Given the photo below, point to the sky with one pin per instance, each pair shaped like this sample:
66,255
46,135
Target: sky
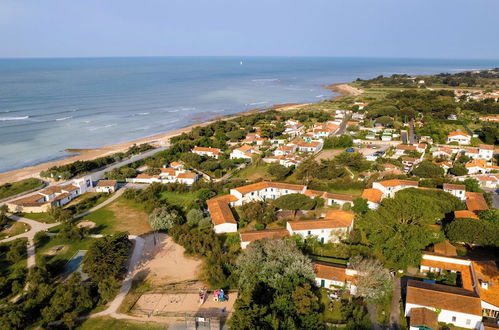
368,28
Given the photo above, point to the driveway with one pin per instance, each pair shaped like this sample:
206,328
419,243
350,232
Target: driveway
106,202
30,234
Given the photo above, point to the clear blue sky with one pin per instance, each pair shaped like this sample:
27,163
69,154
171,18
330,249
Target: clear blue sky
377,28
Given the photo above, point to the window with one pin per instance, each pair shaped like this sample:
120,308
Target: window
309,232
468,321
453,319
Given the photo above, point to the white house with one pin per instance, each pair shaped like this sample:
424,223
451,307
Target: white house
486,151
221,215
168,175
373,197
335,226
264,190
106,186
480,166
284,160
210,152
293,128
312,146
335,276
244,152
401,149
286,149
187,178
459,137
442,151
457,190
453,305
390,187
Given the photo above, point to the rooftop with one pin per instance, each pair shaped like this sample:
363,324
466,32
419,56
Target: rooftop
372,195
268,184
220,210
107,183
475,201
451,186
397,182
254,235
424,317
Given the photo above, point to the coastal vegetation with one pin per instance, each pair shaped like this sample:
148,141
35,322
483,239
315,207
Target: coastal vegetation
68,171
18,187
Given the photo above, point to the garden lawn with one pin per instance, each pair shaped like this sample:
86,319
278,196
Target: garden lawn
120,215
60,259
40,217
253,172
16,229
11,189
106,323
179,199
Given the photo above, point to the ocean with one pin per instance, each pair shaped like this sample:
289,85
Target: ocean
49,105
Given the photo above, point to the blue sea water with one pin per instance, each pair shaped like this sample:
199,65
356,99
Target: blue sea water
48,105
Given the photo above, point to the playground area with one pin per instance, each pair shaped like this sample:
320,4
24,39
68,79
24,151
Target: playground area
186,302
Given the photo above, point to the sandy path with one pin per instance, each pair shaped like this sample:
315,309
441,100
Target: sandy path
344,90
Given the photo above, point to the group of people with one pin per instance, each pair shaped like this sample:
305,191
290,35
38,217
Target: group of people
218,295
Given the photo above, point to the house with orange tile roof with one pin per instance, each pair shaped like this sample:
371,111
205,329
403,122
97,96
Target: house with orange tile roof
210,152
330,198
390,187
445,166
443,151
487,180
244,152
265,190
465,214
106,186
287,160
287,149
475,295
328,275
460,137
480,166
334,227
476,202
221,214
373,196
175,173
457,190
52,196
305,146
255,235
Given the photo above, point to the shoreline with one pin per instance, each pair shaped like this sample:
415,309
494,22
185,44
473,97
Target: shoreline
158,140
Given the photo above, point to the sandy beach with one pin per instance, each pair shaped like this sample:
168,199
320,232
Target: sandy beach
157,140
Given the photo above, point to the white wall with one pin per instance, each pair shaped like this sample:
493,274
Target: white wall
226,228
446,316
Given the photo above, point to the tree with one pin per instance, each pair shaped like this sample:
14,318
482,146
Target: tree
194,216
338,142
400,228
428,170
276,288
106,257
278,171
163,218
307,170
490,215
472,231
205,194
294,202
373,281
458,170
360,205
472,185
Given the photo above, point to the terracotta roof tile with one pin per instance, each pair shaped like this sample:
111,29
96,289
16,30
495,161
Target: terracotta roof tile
397,182
331,271
465,214
254,235
443,297
267,184
317,224
372,195
486,271
451,186
424,317
475,201
106,183
341,197
220,210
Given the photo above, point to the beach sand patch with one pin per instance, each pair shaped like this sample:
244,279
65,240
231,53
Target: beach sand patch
85,224
164,262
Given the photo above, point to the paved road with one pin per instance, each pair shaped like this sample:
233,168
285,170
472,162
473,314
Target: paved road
100,174
395,309
495,196
30,234
112,310
343,125
412,132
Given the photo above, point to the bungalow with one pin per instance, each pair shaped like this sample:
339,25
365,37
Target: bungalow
312,146
373,196
287,149
254,235
244,152
480,166
457,190
390,187
284,160
329,275
486,151
293,128
442,152
51,196
335,226
167,175
264,190
187,178
210,152
221,215
476,202
106,186
401,149
488,180
459,137
330,198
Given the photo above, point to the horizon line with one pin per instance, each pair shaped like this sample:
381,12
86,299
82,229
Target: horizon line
242,57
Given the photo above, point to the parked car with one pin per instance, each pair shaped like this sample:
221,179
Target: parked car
350,150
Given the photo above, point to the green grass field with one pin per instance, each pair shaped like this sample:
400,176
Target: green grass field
41,217
102,323
253,172
121,215
11,189
16,229
180,199
60,259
